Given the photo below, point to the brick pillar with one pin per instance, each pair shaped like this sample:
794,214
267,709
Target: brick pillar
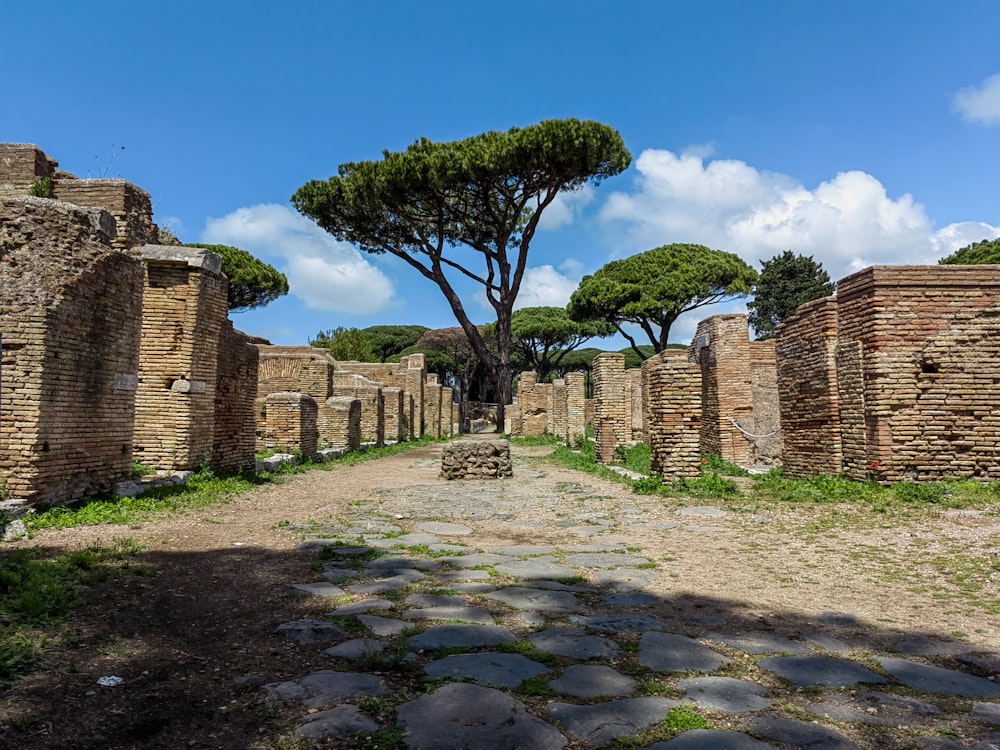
447,401
340,423
416,375
558,415
674,415
722,348
432,405
291,423
395,424
576,417
611,404
184,307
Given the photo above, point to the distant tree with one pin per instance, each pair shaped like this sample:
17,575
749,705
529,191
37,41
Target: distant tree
543,336
252,282
345,344
435,202
652,289
388,341
786,281
450,353
984,252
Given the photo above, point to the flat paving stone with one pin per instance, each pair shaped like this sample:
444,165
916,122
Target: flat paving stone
340,723
922,645
875,708
407,574
593,681
307,632
461,636
381,586
711,739
939,680
336,574
629,600
667,652
624,579
461,576
520,550
535,568
496,669
322,588
607,560
761,643
445,529
702,511
536,600
800,734
356,649
327,688
574,643
401,563
725,694
986,712
458,549
434,600
475,615
822,671
557,586
462,716
618,624
386,627
365,605
601,723
472,587
473,560
829,643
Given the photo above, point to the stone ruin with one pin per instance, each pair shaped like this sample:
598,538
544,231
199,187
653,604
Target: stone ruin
114,349
476,459
556,408
893,378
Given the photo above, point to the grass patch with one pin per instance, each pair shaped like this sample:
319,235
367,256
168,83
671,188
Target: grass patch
38,593
725,468
680,719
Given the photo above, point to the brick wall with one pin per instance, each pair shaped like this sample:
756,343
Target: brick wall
576,417
395,426
449,422
235,395
721,348
183,310
636,419
535,402
372,403
302,369
805,350
432,406
612,405
291,423
674,414
339,423
20,165
558,425
69,321
128,204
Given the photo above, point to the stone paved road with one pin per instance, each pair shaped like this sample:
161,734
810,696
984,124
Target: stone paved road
530,645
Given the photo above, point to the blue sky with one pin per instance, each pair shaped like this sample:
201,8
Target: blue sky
855,132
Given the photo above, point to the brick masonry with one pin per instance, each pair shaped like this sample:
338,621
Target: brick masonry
674,414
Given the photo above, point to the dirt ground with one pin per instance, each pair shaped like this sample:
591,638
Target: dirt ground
185,635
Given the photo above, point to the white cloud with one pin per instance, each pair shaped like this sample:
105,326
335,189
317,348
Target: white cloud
846,223
544,286
565,207
324,273
980,104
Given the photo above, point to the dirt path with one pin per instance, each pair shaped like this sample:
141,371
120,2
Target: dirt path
187,636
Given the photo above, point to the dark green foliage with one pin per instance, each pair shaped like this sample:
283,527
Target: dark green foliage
345,344
652,289
42,188
435,202
786,281
252,282
543,336
984,252
725,468
389,341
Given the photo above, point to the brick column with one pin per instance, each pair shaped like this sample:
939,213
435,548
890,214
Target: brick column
611,404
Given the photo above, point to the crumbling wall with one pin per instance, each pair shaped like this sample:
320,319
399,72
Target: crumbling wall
394,423
612,405
535,402
805,350
183,309
923,340
372,404
69,323
291,369
410,375
673,416
234,423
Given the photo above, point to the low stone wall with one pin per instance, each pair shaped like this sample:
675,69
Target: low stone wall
476,459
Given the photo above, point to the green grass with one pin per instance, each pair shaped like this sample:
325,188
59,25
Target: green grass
37,593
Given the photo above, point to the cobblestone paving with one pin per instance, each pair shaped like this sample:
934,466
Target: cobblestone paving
542,646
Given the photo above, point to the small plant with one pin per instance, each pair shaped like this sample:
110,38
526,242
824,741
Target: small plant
647,485
710,486
140,469
42,188
725,468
